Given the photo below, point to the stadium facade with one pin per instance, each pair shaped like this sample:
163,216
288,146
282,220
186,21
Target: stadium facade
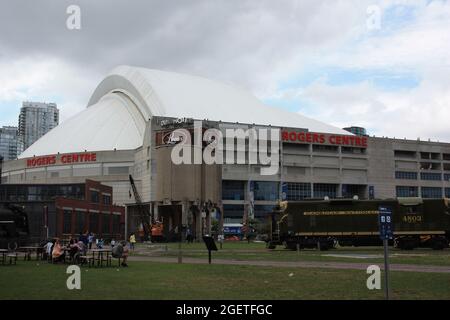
126,130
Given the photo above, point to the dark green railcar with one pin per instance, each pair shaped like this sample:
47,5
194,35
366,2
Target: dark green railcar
325,223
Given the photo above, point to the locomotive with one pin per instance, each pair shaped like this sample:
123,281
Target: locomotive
14,228
324,224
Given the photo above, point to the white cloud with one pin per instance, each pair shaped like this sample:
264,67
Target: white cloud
420,47
254,44
418,112
44,79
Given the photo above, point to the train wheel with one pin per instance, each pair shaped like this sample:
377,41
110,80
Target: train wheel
270,245
439,244
290,245
406,245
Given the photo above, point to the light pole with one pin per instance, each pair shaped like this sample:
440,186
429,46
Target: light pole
1,168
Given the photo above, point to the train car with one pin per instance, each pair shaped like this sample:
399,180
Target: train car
14,229
325,223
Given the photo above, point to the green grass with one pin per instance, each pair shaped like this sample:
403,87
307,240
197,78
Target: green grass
257,251
229,245
147,280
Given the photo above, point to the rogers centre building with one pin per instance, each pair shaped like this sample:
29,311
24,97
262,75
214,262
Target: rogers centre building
126,130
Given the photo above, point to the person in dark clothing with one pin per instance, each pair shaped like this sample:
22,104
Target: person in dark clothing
189,237
83,238
121,251
73,248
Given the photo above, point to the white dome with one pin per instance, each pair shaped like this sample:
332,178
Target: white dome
129,96
111,123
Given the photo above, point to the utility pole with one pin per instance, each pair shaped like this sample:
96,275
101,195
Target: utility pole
386,268
1,168
386,233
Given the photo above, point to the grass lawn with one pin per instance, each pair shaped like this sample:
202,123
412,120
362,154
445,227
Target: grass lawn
152,280
257,251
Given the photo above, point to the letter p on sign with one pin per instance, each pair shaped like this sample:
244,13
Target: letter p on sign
74,280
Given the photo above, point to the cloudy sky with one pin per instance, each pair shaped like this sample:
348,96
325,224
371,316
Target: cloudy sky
384,65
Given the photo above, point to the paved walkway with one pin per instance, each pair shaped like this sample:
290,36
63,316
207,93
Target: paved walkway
297,264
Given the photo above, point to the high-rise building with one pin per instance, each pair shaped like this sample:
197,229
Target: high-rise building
8,143
35,120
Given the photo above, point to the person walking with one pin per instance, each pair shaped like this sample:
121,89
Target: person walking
189,237
132,241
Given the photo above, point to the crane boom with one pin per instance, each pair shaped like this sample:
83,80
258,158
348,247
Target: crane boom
144,213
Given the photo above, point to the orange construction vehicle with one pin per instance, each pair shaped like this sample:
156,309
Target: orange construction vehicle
157,232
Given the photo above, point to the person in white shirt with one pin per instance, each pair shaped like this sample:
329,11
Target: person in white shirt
48,249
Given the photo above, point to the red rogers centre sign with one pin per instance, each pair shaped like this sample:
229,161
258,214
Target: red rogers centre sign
61,159
320,138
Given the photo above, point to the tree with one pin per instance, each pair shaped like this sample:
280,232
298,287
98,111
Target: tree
215,226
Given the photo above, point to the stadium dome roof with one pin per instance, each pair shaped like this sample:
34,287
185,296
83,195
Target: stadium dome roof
122,103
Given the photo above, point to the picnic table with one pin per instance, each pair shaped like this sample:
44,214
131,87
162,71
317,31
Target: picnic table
3,252
67,257
8,254
102,255
29,250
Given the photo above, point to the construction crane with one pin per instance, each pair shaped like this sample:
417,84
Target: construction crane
143,211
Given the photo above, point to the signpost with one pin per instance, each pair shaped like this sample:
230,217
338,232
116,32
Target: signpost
386,233
210,245
284,190
46,221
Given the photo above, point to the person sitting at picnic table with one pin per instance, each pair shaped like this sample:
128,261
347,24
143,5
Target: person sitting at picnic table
100,244
73,248
121,251
113,243
82,248
90,240
58,252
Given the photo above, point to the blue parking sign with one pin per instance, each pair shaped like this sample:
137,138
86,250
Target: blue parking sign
284,190
385,222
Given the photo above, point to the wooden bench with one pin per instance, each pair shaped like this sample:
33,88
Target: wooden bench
86,259
3,256
12,257
107,258
118,259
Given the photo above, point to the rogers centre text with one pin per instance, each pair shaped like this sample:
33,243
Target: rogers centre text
61,159
320,138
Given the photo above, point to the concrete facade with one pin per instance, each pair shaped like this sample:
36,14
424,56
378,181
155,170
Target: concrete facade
192,195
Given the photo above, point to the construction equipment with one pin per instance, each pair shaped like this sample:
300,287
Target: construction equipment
143,211
157,232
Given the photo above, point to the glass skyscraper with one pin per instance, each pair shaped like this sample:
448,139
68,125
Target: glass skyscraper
8,143
35,120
